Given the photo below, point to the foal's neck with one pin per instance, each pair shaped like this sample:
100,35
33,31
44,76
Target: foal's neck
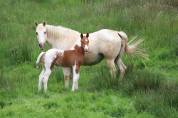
80,49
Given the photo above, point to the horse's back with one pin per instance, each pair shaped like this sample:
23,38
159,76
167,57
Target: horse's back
106,42
106,35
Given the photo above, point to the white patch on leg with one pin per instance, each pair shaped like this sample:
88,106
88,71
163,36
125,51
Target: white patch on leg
40,80
45,78
75,78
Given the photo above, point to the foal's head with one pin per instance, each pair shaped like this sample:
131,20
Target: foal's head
84,41
41,34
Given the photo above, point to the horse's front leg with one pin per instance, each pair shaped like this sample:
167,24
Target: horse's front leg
67,76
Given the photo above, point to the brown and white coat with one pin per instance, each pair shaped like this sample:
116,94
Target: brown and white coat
69,58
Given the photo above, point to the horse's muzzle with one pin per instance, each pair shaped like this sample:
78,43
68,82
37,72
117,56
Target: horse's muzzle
41,46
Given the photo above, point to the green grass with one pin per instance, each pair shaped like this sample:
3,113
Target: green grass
149,89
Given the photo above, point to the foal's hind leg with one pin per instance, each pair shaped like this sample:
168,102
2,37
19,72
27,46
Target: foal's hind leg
112,67
46,77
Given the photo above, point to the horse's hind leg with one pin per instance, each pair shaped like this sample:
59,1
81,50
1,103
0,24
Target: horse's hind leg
112,67
67,75
119,63
122,67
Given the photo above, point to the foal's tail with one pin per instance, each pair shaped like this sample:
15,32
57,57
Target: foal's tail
132,47
39,58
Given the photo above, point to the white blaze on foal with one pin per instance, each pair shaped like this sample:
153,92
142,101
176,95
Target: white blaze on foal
68,58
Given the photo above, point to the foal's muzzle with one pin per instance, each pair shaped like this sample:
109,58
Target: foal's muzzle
86,50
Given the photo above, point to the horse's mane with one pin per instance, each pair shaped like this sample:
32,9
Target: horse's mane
58,32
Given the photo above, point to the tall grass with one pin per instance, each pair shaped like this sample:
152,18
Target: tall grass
149,88
152,92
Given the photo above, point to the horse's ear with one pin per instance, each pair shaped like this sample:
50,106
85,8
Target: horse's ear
44,23
36,23
87,35
81,35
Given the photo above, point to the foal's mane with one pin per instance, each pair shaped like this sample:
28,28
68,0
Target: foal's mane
58,32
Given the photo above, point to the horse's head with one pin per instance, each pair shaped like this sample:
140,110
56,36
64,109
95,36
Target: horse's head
85,41
41,34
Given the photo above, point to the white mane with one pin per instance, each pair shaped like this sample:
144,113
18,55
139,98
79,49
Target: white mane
59,32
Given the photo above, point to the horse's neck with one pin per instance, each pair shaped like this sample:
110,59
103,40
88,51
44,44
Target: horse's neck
54,32
60,37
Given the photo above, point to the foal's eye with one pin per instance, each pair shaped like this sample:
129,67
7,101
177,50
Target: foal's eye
44,32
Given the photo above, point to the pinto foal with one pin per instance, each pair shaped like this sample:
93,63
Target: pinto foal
68,58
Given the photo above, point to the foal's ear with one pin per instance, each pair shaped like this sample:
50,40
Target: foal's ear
81,35
44,23
36,23
87,35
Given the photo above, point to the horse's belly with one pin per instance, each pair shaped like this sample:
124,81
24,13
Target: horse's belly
91,58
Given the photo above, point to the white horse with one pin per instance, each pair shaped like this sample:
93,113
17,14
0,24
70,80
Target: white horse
105,43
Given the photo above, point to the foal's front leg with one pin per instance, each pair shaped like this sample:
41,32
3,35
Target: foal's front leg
78,72
75,77
67,74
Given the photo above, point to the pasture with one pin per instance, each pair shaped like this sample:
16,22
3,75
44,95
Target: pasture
149,89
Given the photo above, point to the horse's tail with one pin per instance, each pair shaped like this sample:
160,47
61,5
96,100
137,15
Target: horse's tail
132,47
39,58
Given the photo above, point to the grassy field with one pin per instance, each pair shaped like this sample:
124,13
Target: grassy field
150,87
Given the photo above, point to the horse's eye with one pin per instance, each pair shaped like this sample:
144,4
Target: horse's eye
36,33
44,32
